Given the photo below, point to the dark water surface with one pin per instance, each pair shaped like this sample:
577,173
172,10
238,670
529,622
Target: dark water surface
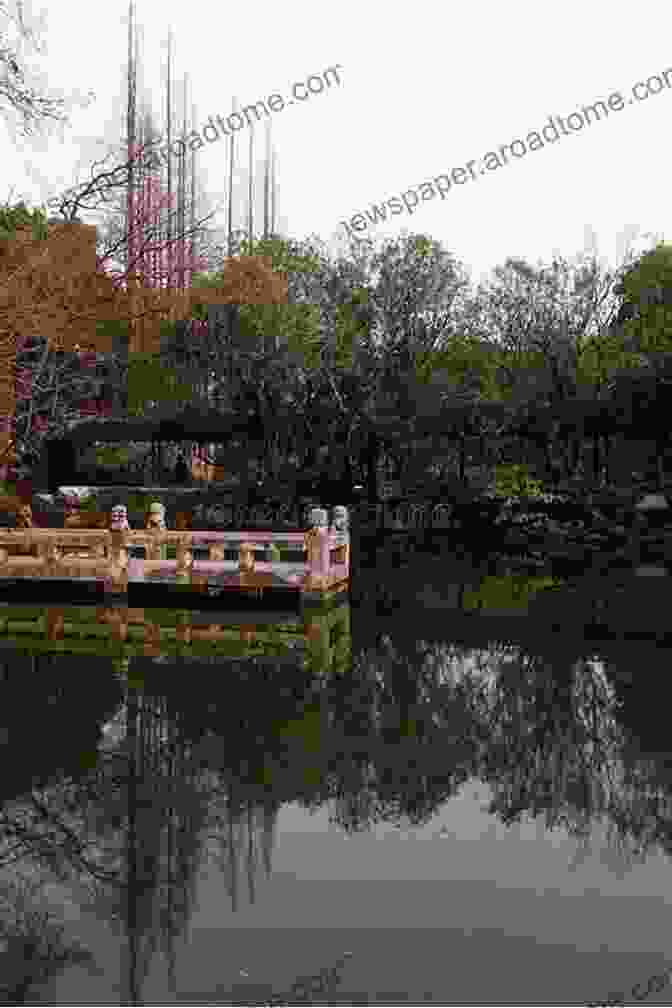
469,803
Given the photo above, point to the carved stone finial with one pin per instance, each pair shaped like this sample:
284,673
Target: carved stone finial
119,518
341,524
156,518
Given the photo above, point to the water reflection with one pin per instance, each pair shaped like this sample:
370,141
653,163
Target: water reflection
194,759
320,634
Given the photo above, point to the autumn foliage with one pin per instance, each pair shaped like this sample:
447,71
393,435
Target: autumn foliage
53,287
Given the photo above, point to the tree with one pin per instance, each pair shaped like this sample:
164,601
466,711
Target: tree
143,249
150,379
554,324
21,97
52,389
645,315
415,288
40,299
153,259
281,346
368,332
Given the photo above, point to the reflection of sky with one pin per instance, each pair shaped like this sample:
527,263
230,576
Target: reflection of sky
464,907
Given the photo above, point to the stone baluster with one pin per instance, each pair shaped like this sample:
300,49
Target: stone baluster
54,552
136,565
118,527
246,558
156,523
317,548
48,554
185,556
154,546
216,551
118,553
41,561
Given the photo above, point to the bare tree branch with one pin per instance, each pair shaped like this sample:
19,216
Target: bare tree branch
21,97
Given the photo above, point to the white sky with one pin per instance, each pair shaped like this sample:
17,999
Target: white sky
423,89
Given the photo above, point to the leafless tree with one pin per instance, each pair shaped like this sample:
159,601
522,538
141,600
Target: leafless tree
102,195
15,90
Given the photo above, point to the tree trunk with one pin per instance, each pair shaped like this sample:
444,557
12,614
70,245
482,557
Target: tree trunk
596,458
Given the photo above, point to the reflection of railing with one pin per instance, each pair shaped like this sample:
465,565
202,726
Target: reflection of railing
320,635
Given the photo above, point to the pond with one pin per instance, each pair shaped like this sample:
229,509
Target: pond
469,802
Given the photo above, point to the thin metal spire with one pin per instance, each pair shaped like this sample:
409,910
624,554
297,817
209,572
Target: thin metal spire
231,165
250,219
266,177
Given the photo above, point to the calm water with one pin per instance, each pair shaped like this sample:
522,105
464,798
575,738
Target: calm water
470,807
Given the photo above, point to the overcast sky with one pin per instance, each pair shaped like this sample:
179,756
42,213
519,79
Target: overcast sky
423,90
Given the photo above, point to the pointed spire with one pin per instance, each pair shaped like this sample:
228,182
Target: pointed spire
130,146
192,222
182,188
250,220
169,159
273,190
267,177
231,166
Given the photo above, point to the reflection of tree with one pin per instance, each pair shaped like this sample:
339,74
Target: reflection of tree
200,770
549,743
124,838
33,946
153,813
240,829
50,718
394,760
640,813
542,732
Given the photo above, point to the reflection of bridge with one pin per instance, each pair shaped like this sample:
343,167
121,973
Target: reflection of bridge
320,635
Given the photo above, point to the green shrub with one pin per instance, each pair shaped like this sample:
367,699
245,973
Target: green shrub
112,456
17,216
515,481
89,503
507,592
139,503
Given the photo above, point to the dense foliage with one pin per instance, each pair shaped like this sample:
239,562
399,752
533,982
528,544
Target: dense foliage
19,216
377,352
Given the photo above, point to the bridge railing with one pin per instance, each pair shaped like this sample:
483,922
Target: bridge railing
101,549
